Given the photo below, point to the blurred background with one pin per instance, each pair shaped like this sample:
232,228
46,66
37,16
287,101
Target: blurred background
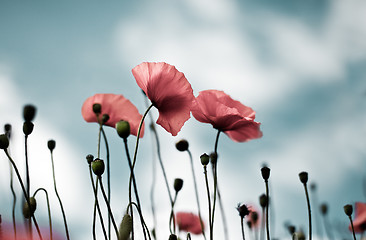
301,65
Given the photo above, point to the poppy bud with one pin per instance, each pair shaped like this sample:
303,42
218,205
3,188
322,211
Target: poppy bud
173,237
28,128
7,128
51,145
4,141
348,209
303,177
29,111
28,211
178,184
324,209
125,227
205,159
263,200
265,173
105,118
123,129
97,108
243,210
89,158
300,235
98,167
291,229
254,217
213,157
182,145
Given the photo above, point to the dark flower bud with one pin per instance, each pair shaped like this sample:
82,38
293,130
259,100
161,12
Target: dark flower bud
123,129
4,141
125,228
291,229
254,217
249,223
89,158
178,184
173,237
348,209
51,145
303,177
28,128
28,211
205,159
324,209
263,200
300,235
182,145
29,111
105,118
213,158
7,128
265,173
243,210
98,167
97,108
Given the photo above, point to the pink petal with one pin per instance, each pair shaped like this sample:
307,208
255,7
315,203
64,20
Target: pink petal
188,222
359,222
245,131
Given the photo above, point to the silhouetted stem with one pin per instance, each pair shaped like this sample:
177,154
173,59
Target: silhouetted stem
108,179
215,183
58,197
48,208
27,180
143,221
267,207
209,201
262,224
242,227
353,229
171,218
14,200
309,210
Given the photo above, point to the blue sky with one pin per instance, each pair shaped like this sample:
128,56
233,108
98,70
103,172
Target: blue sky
299,65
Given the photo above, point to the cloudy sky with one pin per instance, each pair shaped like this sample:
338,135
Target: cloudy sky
300,65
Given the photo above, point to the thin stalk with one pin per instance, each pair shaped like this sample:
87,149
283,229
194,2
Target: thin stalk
196,191
27,178
209,200
108,178
48,208
262,224
242,227
353,229
108,205
24,191
309,210
267,219
14,200
143,221
96,206
215,183
59,199
171,218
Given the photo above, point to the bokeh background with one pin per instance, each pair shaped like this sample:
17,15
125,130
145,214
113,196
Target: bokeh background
301,65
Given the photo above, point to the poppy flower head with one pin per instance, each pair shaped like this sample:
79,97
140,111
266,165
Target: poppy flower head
189,222
227,115
169,91
359,222
117,107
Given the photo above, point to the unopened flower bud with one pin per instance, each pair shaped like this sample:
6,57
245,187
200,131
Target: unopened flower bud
263,200
303,177
205,159
125,228
105,118
348,209
28,211
89,158
123,129
7,128
213,158
324,209
28,128
29,111
51,145
97,108
173,237
300,235
254,217
243,210
291,229
4,141
178,184
182,145
98,167
265,173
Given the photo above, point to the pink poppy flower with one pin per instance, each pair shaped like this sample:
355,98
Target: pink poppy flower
117,107
188,222
253,217
359,222
169,91
227,115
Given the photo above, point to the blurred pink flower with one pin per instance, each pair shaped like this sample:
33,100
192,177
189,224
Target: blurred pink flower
253,217
359,222
189,222
117,107
225,114
168,90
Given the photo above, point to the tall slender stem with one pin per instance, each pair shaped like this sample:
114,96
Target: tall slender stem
27,178
108,178
309,210
143,221
48,208
171,218
242,227
58,197
353,229
209,201
14,200
215,182
267,219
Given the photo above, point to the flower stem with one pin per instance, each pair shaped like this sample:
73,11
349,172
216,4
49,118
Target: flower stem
59,199
353,229
196,191
171,218
242,227
14,200
48,208
209,200
27,178
108,178
267,207
143,221
309,209
215,183
24,191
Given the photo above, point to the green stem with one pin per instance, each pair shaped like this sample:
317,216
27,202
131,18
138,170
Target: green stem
58,197
48,208
144,226
267,207
353,229
215,182
209,200
24,191
171,218
14,200
309,210
108,178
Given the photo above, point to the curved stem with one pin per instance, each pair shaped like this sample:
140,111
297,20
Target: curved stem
242,227
215,180
171,218
24,191
48,208
96,205
309,210
209,200
108,205
58,197
108,178
353,229
143,221
196,192
14,200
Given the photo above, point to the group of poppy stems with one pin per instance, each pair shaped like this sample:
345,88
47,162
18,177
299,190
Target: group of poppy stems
172,95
